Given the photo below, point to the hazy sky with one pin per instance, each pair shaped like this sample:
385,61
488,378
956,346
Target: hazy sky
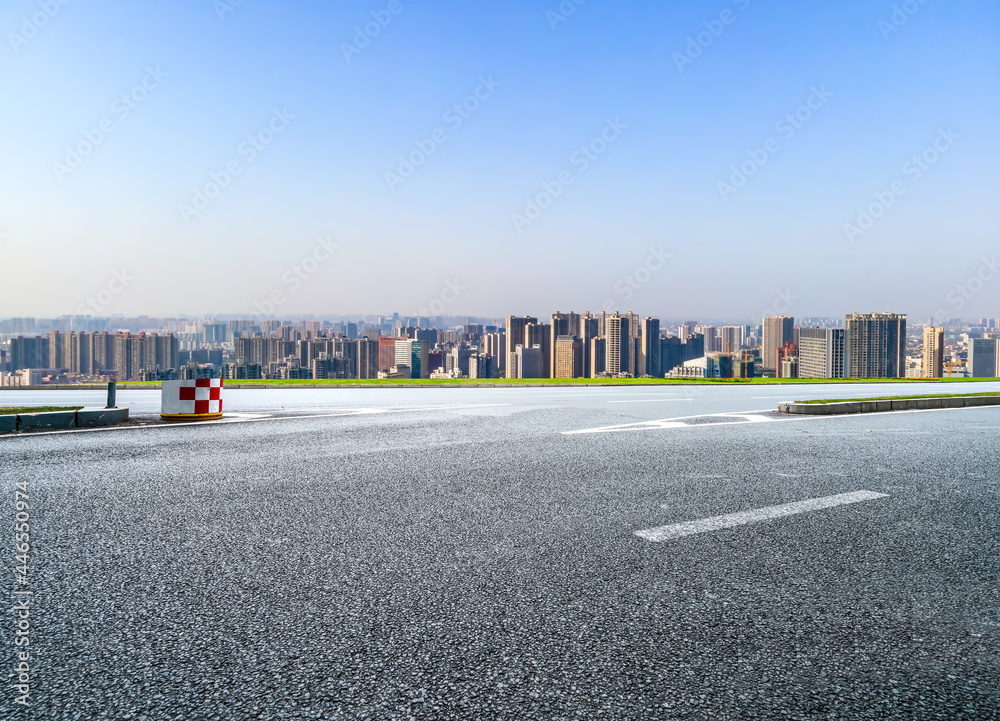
117,117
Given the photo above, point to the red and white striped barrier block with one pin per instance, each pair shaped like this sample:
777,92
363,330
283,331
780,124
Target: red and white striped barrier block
192,400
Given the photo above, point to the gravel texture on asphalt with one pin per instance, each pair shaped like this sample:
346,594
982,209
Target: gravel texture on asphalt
477,563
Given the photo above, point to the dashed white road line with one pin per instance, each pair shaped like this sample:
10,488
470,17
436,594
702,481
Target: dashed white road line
742,518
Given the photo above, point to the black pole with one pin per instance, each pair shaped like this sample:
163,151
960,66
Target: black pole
112,388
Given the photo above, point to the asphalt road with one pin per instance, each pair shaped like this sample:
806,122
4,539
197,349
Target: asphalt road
473,554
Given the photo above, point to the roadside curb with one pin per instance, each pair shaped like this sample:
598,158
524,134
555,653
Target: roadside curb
912,404
60,420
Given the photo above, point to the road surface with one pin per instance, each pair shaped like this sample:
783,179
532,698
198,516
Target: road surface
638,553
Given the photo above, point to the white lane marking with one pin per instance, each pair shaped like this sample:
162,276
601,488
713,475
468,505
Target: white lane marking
676,422
668,423
656,400
259,419
742,518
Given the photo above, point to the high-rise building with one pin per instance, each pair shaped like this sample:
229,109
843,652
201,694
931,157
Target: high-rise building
345,350
587,332
481,366
876,345
323,367
694,347
415,355
933,366
598,356
103,351
28,353
83,353
420,363
623,344
387,351
573,322
136,354
495,346
671,354
61,350
634,324
215,332
787,362
649,354
528,362
983,358
731,339
540,334
569,357
515,337
821,353
711,337
560,325
460,358
779,330
616,333
426,335
367,358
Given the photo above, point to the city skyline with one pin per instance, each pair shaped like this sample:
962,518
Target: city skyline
570,345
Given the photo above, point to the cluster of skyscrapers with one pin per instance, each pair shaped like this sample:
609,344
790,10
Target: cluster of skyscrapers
566,345
870,345
85,356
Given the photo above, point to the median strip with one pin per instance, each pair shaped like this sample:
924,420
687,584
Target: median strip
887,404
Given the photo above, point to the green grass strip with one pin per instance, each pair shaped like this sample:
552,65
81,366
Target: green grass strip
37,409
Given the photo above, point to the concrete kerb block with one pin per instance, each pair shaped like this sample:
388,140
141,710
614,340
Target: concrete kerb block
820,409
910,404
8,424
56,420
91,417
797,408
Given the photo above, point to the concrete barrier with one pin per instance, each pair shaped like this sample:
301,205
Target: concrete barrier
54,420
91,417
63,420
905,404
820,409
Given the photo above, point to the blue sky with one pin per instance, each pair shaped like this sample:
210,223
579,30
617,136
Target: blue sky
553,81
